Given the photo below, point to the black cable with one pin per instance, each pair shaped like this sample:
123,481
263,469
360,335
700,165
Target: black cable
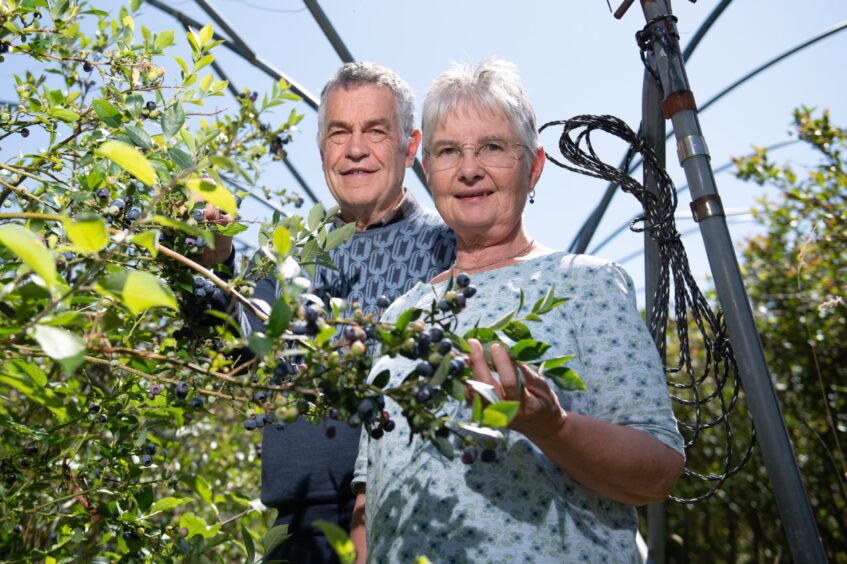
718,381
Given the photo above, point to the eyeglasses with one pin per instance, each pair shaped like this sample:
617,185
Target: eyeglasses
343,136
494,153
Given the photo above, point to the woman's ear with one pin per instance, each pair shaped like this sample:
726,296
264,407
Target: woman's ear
536,168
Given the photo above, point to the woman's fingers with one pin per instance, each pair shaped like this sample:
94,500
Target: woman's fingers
479,366
506,370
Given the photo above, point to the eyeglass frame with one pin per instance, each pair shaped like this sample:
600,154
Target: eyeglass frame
477,147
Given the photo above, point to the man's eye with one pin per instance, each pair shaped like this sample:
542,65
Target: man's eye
339,135
376,134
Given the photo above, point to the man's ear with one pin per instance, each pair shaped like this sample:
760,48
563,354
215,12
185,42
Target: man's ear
412,149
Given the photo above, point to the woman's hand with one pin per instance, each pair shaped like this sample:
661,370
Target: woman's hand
540,415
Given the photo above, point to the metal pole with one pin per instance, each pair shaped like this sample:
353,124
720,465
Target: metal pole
653,127
795,510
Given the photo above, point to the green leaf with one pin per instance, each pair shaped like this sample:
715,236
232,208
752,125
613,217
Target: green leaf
444,446
275,537
213,193
148,240
164,39
64,347
63,114
134,103
338,540
442,371
35,373
182,159
279,318
138,136
23,243
130,159
138,291
316,214
502,321
107,112
260,344
476,413
405,318
249,547
231,229
338,236
548,302
482,334
516,331
172,120
197,526
500,414
205,35
168,503
89,235
529,349
381,380
282,240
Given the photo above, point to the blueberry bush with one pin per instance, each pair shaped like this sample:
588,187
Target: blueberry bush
127,394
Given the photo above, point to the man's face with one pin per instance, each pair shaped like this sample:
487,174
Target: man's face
364,155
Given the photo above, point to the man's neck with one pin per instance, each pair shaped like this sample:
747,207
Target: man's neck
364,221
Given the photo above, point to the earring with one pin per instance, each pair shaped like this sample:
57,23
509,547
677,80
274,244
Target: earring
532,196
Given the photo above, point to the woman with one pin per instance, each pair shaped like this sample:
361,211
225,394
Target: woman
573,465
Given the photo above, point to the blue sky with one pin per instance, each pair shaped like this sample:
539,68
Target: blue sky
574,58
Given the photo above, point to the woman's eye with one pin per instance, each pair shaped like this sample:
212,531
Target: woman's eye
447,152
492,148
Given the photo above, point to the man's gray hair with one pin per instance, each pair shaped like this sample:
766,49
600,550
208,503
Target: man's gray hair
352,75
489,85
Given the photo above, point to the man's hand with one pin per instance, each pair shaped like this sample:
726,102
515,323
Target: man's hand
223,243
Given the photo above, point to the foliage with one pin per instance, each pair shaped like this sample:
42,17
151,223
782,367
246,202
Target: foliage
795,274
127,392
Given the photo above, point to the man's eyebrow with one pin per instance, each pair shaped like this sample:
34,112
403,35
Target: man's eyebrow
381,122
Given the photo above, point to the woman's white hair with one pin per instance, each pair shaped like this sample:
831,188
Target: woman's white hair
489,85
352,75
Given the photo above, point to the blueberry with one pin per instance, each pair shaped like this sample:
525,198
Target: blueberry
146,460
87,67
461,301
260,396
249,424
150,449
377,433
18,529
311,313
299,328
469,292
445,346
102,193
442,432
261,420
463,280
299,203
118,203
457,366
24,132
282,370
424,369
102,418
199,282
199,293
389,425
197,402
436,334
199,214
366,409
350,333
444,305
190,242
133,214
181,389
200,242
424,394
488,455
151,105
333,413
155,389
94,408
469,455
383,302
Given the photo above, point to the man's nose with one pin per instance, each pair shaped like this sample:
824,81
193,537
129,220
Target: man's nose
358,147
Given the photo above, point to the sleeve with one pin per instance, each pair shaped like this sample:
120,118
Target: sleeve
360,469
622,368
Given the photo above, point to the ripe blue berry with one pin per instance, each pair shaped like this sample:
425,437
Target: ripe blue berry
444,305
299,328
249,424
383,302
199,282
445,346
311,313
146,460
199,214
87,67
436,334
197,402
150,449
24,132
93,408
155,389
424,394
199,293
469,292
424,369
118,203
133,214
102,193
181,389
463,280
377,433
190,242
389,425
151,105
461,301
469,455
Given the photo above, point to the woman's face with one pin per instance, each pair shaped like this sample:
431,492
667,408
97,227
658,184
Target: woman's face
483,204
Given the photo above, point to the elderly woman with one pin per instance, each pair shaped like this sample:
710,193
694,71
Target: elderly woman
573,465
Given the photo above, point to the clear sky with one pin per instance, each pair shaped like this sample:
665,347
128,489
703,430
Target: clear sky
574,58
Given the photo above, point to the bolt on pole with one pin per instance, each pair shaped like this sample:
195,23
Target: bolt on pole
665,58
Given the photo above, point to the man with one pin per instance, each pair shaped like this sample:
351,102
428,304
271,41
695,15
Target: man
367,139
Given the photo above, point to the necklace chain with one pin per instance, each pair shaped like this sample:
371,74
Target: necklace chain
499,260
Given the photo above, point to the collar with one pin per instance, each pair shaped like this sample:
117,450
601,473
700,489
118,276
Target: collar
404,209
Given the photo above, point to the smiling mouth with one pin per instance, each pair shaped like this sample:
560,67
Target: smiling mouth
357,172
474,195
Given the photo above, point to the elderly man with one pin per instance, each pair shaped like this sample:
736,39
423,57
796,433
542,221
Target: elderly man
367,139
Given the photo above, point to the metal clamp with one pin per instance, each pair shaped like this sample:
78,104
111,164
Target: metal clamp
691,146
706,207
